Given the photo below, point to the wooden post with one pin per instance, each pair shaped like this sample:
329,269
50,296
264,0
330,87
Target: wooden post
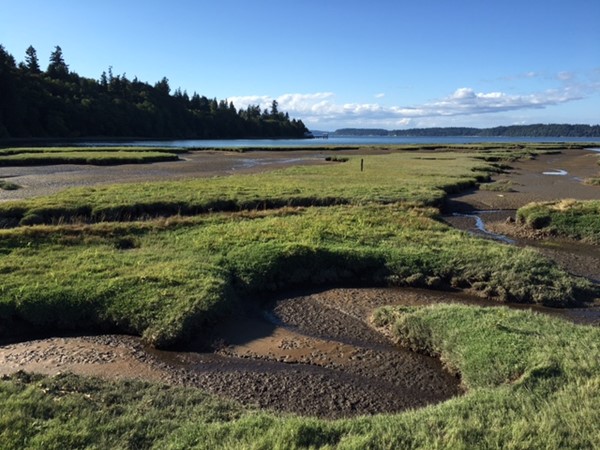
362,164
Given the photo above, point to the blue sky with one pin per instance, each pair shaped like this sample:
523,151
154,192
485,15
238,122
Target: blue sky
386,64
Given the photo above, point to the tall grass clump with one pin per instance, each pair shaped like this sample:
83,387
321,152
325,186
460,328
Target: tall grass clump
498,186
575,219
8,186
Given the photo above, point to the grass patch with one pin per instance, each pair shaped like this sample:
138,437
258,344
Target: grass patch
401,177
574,219
498,186
511,155
593,181
98,156
533,382
309,148
8,186
75,412
104,149
336,159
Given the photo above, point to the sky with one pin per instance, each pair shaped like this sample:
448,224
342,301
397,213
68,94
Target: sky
332,63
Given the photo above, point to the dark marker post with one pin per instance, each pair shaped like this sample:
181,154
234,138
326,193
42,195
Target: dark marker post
362,164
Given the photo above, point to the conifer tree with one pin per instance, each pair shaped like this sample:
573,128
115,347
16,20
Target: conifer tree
57,67
31,60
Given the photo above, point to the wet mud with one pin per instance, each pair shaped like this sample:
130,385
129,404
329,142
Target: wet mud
311,354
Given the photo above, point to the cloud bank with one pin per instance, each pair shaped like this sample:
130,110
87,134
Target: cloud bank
322,110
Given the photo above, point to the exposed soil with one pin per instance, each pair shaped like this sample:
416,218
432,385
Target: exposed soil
311,354
307,353
111,356
532,185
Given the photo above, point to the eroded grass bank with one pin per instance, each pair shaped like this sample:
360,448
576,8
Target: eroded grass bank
163,280
573,219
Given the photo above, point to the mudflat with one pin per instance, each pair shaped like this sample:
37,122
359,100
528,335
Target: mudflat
546,178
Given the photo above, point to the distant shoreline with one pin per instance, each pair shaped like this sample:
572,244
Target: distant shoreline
535,130
272,143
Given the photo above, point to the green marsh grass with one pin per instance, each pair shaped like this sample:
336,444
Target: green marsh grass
593,181
89,156
498,186
575,219
91,149
8,186
166,280
401,177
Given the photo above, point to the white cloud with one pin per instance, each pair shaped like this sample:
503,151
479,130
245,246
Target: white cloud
521,76
380,95
321,109
565,76
463,94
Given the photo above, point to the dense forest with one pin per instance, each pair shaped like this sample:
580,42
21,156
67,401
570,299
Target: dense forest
536,130
59,103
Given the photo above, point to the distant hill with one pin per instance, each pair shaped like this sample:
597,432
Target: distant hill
536,130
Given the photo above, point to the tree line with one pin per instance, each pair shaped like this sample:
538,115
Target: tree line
59,103
535,130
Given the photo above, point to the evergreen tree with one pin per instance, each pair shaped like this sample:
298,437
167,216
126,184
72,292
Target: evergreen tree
163,86
57,67
104,80
31,60
7,61
11,105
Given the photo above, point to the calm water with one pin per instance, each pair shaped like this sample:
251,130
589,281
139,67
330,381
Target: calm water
340,140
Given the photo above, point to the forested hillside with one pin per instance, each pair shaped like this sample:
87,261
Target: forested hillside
59,103
535,130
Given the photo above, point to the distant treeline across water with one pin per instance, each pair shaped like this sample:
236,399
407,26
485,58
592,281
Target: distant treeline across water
535,130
